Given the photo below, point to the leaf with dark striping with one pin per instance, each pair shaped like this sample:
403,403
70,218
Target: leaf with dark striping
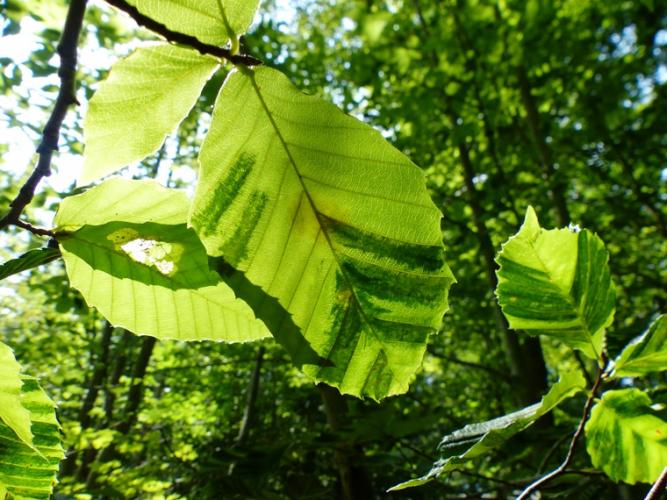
626,438
30,438
320,212
557,283
647,354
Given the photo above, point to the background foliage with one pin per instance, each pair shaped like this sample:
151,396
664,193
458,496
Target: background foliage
557,104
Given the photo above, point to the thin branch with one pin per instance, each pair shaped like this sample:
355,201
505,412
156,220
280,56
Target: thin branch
550,453
34,230
582,365
561,469
658,488
67,50
488,478
182,38
470,364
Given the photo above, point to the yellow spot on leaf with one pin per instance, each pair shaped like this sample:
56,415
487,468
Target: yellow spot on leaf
149,251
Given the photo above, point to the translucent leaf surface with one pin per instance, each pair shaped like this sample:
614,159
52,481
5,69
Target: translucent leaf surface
323,214
645,355
625,438
30,441
272,314
485,436
211,21
28,260
557,283
130,253
141,102
12,412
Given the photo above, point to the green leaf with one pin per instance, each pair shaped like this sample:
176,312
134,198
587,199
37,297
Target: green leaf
28,260
273,315
142,101
492,434
557,283
210,21
12,412
645,355
128,250
625,438
323,214
30,441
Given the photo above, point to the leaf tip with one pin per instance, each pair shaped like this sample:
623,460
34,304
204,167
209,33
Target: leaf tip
530,221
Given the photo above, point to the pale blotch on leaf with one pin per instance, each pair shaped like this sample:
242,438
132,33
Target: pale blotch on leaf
161,255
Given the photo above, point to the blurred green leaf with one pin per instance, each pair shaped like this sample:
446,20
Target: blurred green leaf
625,438
28,260
646,354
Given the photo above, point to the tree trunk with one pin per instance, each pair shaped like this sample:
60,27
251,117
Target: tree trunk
526,362
100,365
250,410
557,187
354,478
134,399
136,393
120,354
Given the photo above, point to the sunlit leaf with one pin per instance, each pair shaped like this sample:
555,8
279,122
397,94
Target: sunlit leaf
625,438
557,283
210,21
485,436
12,411
645,355
142,101
30,440
128,250
323,214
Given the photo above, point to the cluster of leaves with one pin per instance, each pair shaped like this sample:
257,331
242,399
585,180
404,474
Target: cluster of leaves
465,66
313,207
557,284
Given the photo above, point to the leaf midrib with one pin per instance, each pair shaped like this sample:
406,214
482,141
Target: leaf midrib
251,76
566,293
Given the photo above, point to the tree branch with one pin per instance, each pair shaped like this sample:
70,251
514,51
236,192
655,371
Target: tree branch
658,487
182,38
67,50
34,230
492,371
561,469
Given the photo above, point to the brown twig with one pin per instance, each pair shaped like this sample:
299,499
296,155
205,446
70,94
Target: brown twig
67,50
658,488
182,38
34,230
561,469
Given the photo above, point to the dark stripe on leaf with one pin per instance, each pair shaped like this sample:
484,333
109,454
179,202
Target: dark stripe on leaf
235,248
226,191
403,255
